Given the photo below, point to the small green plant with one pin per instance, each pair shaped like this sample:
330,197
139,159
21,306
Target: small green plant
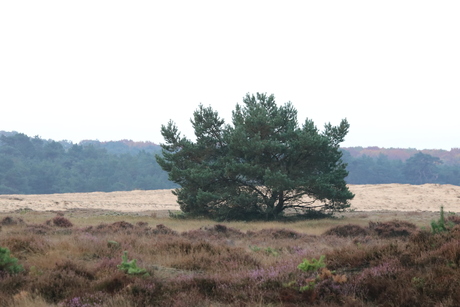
130,266
269,251
312,265
440,225
9,264
254,248
310,286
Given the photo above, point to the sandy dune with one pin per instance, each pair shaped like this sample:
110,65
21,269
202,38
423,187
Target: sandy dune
393,197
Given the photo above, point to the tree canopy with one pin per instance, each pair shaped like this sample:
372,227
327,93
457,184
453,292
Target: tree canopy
422,168
37,166
258,167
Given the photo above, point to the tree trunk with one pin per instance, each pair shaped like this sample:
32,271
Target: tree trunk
280,205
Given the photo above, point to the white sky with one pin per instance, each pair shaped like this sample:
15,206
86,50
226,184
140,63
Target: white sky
112,70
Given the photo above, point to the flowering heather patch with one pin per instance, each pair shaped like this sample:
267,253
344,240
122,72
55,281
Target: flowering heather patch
96,299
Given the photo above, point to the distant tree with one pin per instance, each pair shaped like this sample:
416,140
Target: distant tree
260,166
422,168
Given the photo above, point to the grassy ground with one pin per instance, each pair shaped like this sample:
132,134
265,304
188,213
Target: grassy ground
355,259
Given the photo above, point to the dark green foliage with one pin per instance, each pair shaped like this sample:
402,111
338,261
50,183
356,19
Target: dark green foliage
8,263
36,166
422,168
258,167
440,225
418,168
369,170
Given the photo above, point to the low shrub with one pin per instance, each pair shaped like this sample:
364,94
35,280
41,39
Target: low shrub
76,267
217,231
392,229
87,300
23,245
55,286
453,219
60,221
275,234
113,283
39,229
8,221
162,229
349,230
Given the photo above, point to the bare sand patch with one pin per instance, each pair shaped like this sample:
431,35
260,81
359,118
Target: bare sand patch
389,197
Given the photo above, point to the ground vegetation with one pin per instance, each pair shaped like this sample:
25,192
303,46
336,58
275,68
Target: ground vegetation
381,259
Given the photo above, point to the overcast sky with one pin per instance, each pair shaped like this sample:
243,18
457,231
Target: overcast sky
112,70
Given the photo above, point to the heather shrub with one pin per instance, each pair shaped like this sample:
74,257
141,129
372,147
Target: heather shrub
363,256
113,283
384,285
393,228
142,224
447,254
216,260
106,265
95,299
162,229
147,292
453,219
217,231
23,245
78,268
10,286
39,229
59,221
57,285
349,230
203,256
8,221
66,279
282,234
120,226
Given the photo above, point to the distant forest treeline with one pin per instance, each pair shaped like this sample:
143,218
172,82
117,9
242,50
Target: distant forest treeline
32,165
36,166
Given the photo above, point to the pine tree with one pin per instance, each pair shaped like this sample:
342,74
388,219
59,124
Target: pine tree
258,167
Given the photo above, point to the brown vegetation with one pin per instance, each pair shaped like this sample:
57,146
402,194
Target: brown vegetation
390,262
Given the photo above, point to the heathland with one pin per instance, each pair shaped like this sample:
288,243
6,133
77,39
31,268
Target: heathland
392,248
